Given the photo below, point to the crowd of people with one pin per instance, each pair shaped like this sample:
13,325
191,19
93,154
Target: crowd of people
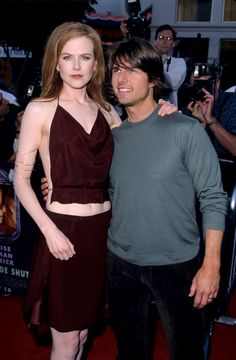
119,223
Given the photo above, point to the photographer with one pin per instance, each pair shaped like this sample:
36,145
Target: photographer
174,68
216,111
136,25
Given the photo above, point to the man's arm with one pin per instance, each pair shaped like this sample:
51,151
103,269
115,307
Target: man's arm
203,112
205,284
203,167
224,137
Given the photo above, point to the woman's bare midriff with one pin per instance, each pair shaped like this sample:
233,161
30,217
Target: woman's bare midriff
79,209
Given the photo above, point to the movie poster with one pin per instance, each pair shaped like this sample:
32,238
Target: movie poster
17,235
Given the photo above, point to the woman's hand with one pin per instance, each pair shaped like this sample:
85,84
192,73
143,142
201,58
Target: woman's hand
166,108
59,245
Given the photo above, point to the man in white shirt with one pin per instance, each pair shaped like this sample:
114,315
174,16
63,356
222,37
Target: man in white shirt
174,68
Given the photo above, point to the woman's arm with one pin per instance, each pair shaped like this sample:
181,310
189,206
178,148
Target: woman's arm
32,132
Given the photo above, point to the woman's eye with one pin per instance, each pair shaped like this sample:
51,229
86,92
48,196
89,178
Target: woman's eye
85,57
66,57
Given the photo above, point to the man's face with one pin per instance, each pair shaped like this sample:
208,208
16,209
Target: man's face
131,86
165,42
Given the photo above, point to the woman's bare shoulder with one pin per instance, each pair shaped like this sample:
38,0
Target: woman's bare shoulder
40,109
41,104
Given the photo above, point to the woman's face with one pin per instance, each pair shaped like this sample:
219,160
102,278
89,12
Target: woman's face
77,62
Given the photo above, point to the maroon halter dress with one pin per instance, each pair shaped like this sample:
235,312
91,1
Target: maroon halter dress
67,295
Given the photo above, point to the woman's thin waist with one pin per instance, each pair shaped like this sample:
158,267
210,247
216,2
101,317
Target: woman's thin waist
79,209
75,195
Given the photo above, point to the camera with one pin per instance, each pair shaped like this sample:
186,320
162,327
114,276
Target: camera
203,69
196,93
137,25
212,71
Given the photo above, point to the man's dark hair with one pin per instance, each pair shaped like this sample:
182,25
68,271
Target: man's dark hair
137,53
140,54
166,27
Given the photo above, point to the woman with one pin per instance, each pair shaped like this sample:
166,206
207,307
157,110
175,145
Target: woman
70,127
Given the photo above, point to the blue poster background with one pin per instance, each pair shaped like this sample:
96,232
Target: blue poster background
16,244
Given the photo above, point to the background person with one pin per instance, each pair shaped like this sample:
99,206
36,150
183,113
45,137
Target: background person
175,69
216,112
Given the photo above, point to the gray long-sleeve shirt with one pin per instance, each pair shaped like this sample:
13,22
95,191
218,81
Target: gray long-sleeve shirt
159,166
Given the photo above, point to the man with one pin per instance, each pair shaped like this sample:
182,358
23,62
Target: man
216,112
159,167
174,68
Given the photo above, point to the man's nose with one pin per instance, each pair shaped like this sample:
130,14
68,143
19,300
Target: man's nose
122,76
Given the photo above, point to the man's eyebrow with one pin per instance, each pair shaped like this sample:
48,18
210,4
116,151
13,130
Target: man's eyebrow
123,66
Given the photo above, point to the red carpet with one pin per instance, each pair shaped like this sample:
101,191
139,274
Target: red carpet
17,344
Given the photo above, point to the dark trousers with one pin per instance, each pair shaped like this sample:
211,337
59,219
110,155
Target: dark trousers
132,288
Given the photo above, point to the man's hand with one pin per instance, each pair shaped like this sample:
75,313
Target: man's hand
205,286
196,111
44,188
124,30
202,110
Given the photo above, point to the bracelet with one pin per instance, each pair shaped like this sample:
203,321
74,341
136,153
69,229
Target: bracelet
213,122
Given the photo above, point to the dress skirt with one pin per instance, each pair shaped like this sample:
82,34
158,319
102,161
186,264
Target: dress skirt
67,295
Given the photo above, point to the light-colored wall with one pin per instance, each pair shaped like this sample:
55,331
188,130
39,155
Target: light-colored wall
215,29
118,7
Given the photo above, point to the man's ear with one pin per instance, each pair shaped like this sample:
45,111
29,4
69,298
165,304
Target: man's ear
152,84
